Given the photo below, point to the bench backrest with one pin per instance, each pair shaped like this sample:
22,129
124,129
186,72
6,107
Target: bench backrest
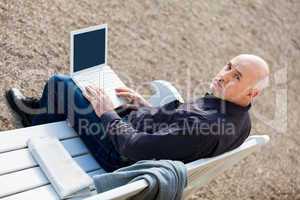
200,172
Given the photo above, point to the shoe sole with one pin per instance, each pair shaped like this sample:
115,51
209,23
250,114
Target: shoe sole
14,107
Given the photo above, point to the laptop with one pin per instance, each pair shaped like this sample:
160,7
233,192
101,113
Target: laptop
88,62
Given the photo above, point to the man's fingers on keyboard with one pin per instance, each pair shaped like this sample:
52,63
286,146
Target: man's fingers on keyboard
122,89
91,91
88,89
98,91
124,94
101,92
86,95
95,88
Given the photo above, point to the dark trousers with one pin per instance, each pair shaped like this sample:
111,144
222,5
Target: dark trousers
63,100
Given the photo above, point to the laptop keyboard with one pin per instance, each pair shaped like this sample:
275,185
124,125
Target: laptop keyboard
105,79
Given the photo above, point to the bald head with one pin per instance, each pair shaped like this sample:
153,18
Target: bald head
259,67
242,79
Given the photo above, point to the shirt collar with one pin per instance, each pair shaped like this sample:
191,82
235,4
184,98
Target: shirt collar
223,106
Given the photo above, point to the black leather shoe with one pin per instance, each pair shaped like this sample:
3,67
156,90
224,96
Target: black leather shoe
23,106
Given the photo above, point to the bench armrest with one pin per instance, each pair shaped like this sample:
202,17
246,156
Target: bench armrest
165,93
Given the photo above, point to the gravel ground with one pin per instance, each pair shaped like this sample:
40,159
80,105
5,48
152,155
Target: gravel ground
184,42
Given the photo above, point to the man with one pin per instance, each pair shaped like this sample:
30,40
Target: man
208,126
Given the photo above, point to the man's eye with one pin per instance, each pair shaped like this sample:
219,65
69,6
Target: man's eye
237,77
228,67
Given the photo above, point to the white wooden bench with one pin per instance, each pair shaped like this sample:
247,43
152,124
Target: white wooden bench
22,179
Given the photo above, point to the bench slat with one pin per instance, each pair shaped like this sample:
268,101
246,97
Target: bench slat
44,192
17,139
21,159
31,178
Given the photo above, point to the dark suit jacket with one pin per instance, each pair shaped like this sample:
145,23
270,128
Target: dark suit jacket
203,128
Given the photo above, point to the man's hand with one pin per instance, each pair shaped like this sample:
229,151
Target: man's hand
100,101
132,96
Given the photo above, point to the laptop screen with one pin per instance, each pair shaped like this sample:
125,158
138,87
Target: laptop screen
89,49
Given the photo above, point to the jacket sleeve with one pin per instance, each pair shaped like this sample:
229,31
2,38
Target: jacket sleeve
174,142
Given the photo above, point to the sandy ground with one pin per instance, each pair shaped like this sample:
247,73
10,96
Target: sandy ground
184,42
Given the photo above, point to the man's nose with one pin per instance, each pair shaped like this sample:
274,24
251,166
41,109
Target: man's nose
224,78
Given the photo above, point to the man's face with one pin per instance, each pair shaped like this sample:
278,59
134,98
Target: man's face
234,81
